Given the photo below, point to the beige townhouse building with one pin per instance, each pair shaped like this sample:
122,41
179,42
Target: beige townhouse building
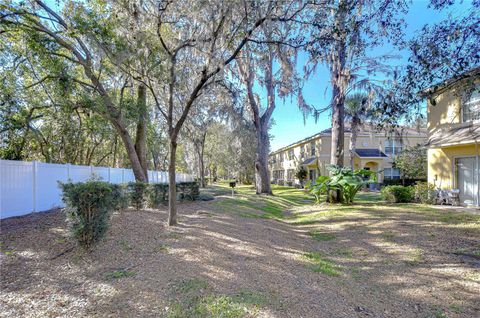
375,150
453,112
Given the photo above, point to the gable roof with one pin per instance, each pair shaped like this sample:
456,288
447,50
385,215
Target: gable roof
370,153
439,87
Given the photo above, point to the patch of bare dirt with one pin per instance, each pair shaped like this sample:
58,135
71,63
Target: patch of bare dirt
133,271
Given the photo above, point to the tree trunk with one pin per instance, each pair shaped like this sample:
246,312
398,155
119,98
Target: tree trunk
131,152
201,168
339,79
262,175
203,184
172,185
353,140
141,137
338,133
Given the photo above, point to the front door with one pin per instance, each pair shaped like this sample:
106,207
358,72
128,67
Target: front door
467,180
312,174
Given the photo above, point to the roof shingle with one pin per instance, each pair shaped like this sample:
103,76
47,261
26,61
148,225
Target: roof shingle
368,153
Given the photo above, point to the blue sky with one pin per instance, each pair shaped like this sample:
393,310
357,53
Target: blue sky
289,124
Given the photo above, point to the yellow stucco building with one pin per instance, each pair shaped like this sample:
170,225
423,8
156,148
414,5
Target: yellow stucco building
454,136
375,150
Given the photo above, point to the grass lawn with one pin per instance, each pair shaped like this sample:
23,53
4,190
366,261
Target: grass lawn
249,256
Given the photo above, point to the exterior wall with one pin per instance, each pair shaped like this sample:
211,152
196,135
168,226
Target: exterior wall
446,111
441,164
445,114
323,150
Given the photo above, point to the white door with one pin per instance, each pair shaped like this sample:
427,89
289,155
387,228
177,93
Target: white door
467,180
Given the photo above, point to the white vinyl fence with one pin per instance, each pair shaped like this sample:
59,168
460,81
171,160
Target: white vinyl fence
27,187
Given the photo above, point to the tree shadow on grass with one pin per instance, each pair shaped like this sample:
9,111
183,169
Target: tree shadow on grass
233,254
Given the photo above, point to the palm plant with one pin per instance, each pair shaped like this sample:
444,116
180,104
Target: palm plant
344,181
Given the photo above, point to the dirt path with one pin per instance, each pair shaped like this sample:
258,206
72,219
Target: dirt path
143,269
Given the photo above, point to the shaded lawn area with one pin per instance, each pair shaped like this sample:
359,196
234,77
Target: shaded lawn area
429,255
249,256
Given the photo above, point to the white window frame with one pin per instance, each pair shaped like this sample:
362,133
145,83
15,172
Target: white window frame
392,176
393,142
313,149
463,102
291,154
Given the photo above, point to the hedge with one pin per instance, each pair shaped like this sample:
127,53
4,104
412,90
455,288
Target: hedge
398,194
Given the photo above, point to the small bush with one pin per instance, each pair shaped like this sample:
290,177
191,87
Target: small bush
137,194
205,197
89,206
120,192
425,193
188,190
397,194
157,194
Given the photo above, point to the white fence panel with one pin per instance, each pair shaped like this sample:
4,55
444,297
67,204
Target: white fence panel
48,194
116,175
80,173
27,187
152,176
128,176
16,188
102,173
162,177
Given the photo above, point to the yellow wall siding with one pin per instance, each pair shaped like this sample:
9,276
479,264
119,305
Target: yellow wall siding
445,112
441,164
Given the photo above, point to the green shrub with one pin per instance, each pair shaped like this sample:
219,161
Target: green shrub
397,194
137,194
319,187
120,192
89,206
205,197
425,193
157,194
188,190
301,175
344,181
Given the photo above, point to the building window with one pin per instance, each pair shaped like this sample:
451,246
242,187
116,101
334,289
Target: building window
279,174
312,149
393,147
290,154
391,173
274,159
290,174
281,156
302,151
471,107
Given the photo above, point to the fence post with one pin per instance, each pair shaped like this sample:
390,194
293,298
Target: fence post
123,175
109,175
34,183
68,171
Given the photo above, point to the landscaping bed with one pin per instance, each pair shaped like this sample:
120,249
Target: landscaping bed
248,256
